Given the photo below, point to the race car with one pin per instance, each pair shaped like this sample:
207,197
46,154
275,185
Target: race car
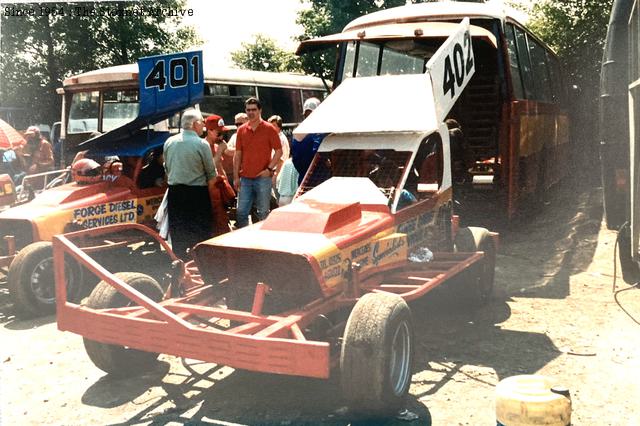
125,191
119,180
321,286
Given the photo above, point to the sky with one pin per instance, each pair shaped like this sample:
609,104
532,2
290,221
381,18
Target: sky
224,25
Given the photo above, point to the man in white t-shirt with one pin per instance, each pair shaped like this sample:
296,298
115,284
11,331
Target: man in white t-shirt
227,158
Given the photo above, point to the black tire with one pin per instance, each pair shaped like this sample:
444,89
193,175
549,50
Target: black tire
31,280
376,359
118,360
480,279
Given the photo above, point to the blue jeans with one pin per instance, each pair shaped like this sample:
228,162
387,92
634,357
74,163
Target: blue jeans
256,190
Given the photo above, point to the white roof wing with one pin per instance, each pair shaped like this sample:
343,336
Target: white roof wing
393,103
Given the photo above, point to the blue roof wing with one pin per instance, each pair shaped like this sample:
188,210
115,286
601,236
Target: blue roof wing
135,145
168,84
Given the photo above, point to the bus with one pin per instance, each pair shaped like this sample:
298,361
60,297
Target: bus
513,113
105,99
620,132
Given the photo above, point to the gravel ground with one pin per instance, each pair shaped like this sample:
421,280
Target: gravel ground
553,313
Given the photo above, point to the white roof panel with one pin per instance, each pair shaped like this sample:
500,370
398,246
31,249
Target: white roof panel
393,103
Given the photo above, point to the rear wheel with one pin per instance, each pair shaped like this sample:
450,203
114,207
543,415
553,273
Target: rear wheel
31,279
377,354
114,359
480,278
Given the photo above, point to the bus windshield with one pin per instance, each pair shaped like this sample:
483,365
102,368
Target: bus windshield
118,108
395,57
84,111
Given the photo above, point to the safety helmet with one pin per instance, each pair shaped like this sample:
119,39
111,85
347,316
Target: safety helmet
86,171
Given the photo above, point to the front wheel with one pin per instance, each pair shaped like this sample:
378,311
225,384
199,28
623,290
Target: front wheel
376,359
31,279
118,360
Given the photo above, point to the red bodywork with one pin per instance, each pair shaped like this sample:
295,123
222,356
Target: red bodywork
188,325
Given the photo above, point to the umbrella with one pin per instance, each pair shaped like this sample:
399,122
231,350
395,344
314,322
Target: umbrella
9,137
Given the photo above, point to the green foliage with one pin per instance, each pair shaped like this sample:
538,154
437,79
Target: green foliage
326,17
576,30
265,55
38,52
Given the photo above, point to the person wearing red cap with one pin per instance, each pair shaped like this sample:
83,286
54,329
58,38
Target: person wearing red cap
221,192
214,125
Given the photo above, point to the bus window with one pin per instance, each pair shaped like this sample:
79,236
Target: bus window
119,108
525,64
279,101
217,90
349,60
634,34
516,78
540,73
557,89
225,100
368,55
396,61
83,114
306,94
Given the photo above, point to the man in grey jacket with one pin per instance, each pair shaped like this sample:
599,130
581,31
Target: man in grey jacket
190,170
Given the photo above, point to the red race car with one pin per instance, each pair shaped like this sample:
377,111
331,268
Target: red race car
322,284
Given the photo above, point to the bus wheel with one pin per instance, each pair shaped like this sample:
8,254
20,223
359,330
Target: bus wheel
116,360
31,279
473,239
377,354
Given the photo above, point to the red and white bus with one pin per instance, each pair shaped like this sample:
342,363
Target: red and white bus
513,113
104,99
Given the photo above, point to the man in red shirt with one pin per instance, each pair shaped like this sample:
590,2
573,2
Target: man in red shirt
253,164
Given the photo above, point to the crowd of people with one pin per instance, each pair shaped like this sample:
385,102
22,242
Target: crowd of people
36,156
205,174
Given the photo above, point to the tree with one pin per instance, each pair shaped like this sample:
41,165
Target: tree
264,55
577,30
39,51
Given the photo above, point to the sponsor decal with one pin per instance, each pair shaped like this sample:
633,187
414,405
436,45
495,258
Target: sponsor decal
105,214
385,249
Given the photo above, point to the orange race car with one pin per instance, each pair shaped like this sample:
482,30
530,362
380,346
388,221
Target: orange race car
125,185
322,284
128,190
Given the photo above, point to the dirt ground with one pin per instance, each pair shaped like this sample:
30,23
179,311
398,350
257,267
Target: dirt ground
553,313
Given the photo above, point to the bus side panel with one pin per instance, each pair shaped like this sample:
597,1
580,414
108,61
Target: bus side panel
509,153
541,134
562,161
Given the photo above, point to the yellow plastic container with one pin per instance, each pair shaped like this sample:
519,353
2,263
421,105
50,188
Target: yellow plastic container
532,400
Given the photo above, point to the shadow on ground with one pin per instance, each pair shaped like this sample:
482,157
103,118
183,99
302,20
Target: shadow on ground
544,247
11,319
447,340
537,258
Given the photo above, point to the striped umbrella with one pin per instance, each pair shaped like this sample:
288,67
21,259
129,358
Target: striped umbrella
9,137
